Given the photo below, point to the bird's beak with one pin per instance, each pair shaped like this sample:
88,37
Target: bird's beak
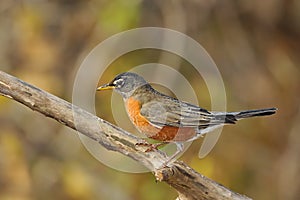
108,86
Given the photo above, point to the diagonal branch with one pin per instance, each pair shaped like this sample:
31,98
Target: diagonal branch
188,183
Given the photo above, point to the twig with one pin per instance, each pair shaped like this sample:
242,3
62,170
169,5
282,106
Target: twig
188,183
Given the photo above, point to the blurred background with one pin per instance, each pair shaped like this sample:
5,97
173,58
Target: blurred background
255,45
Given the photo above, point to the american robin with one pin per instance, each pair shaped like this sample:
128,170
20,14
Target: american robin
167,119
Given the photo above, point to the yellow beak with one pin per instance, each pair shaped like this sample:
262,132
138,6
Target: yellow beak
107,86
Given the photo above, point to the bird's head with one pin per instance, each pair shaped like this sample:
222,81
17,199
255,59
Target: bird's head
125,84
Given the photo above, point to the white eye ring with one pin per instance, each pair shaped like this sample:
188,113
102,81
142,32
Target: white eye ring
119,83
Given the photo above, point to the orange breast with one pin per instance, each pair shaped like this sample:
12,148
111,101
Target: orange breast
165,133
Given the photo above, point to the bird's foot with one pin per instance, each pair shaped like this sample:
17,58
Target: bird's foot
151,147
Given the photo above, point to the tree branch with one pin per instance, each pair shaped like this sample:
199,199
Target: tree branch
188,183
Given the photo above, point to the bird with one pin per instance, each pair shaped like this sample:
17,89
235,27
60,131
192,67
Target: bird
167,119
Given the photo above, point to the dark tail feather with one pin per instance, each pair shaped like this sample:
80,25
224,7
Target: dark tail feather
254,113
232,117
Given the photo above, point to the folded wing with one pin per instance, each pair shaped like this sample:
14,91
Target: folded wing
181,114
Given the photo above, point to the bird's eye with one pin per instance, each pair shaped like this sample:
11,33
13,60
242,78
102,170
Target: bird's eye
118,83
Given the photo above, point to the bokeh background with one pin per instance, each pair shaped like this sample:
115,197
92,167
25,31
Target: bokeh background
255,45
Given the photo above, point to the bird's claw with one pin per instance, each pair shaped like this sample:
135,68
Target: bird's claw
151,147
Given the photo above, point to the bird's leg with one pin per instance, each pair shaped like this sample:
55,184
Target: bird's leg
179,147
151,147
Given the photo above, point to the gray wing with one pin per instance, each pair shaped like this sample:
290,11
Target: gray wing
180,114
